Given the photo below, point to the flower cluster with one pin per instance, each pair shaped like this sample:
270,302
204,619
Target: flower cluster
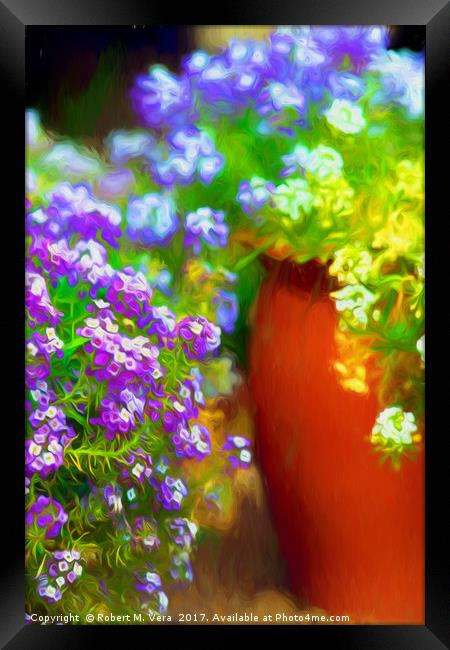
44,452
161,99
355,300
351,264
199,336
394,431
37,301
72,209
205,226
113,391
255,194
150,583
151,219
62,570
239,451
402,80
294,199
129,367
345,117
322,161
297,67
170,491
190,154
46,515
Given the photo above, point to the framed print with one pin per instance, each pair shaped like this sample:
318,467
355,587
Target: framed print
223,398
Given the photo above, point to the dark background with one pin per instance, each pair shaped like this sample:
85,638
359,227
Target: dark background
78,77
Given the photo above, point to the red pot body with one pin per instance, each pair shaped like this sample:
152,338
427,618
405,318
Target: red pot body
350,528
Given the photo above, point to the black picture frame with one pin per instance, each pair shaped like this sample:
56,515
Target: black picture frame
15,17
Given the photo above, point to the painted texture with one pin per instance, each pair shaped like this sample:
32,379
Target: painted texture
352,529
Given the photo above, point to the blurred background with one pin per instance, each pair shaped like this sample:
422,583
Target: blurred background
78,78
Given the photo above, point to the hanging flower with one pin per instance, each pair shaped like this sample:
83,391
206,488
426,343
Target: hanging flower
356,301
394,431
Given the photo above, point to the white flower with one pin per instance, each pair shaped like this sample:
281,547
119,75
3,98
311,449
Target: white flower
324,161
345,116
356,299
351,264
293,198
393,424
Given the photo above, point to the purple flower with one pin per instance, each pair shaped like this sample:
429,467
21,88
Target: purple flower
50,419
112,495
44,457
73,209
170,421
255,194
150,583
115,418
198,335
207,226
161,99
47,514
62,569
279,95
194,385
196,62
160,321
192,441
359,43
129,293
229,81
345,85
45,344
38,303
136,466
40,348
239,447
170,492
183,532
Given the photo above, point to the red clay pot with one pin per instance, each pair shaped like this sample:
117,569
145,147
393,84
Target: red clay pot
351,529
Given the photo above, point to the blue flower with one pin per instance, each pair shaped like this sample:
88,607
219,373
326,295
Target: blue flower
126,145
191,153
207,226
227,310
151,219
254,194
402,80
